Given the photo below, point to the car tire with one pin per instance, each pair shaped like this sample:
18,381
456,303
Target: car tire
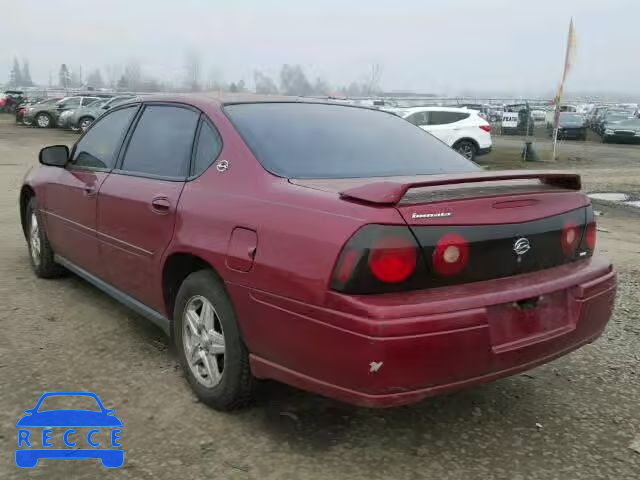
40,251
84,123
43,120
466,148
197,334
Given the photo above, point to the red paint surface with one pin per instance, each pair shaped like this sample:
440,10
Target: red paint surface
298,330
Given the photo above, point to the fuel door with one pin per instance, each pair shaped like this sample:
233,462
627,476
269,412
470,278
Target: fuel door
242,249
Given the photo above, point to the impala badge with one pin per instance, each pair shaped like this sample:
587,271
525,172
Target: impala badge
521,246
431,215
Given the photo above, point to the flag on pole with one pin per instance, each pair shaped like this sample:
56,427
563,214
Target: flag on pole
569,59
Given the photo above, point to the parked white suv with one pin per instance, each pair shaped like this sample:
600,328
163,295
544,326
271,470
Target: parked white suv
460,128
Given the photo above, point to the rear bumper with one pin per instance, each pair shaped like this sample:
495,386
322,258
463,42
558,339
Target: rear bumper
389,350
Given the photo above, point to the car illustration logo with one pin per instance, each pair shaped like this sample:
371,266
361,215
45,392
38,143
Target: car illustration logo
41,431
521,246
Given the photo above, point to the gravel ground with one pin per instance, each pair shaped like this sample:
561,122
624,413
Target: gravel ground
574,418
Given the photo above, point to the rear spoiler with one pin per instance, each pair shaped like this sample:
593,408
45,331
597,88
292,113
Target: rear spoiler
390,192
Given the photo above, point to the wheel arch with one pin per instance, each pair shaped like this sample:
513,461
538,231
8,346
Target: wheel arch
26,194
476,145
178,266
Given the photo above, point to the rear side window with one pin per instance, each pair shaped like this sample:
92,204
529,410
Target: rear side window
419,118
88,101
161,143
207,148
315,140
99,146
442,118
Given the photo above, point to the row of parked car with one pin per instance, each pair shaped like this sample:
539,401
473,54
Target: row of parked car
74,113
615,124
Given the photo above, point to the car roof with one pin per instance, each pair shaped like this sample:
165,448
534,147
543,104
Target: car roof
204,100
436,109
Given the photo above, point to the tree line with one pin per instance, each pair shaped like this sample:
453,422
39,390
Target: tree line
291,80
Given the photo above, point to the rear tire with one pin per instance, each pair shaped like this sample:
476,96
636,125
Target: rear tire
40,251
43,120
220,380
466,148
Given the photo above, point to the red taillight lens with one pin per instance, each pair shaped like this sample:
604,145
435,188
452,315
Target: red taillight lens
570,239
392,259
451,255
486,128
347,265
590,235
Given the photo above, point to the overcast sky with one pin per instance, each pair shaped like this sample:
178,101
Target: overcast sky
422,45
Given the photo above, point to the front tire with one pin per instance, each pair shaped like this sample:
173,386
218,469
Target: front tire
84,123
43,120
466,148
40,251
209,343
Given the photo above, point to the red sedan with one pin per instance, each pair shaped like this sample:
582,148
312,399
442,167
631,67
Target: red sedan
338,249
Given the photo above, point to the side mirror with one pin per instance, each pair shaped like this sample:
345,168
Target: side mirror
106,107
54,156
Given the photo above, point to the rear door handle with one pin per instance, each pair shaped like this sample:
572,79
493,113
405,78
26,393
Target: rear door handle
90,190
160,205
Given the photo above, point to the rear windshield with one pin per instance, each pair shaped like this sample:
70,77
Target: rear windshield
306,140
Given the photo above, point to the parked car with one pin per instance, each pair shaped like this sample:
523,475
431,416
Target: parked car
20,113
608,120
335,248
10,100
594,116
570,126
461,129
46,116
626,131
80,118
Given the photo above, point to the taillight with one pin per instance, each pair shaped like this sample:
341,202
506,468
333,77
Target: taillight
392,259
450,255
378,259
590,236
486,128
570,238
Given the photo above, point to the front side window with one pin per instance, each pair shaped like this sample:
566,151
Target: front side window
88,101
70,102
99,146
315,140
161,143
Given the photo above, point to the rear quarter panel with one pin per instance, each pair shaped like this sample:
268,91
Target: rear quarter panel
300,230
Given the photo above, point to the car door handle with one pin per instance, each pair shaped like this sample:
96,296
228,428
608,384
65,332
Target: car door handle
160,205
90,191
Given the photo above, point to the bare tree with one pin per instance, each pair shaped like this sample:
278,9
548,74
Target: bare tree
15,75
193,70
321,87
114,72
94,79
64,76
373,79
264,84
293,81
26,74
133,75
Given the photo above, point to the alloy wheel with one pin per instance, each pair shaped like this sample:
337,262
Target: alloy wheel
43,121
465,150
34,239
203,341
